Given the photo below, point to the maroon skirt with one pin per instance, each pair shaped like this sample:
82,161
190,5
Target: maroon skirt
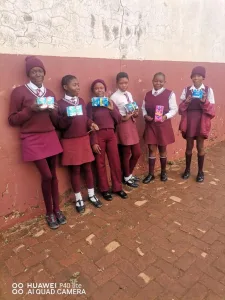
127,133
157,133
193,123
76,151
37,146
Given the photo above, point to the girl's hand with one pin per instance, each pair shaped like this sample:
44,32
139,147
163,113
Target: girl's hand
164,118
94,127
204,97
135,114
55,107
96,149
148,118
36,107
110,106
128,116
188,100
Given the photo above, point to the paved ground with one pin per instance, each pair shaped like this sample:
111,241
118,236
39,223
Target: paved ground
166,242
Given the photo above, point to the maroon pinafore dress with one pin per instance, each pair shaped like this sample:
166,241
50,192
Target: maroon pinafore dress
158,133
194,115
127,132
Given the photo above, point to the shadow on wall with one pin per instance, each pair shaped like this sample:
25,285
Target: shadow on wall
21,197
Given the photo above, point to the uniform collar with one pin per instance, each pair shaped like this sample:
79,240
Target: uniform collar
120,92
67,97
33,87
202,87
158,91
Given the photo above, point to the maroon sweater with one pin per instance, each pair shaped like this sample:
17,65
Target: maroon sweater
104,118
20,113
73,127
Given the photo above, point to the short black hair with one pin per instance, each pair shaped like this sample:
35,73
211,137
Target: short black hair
66,79
121,75
159,74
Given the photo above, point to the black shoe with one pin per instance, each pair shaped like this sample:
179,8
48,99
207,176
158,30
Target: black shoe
52,221
200,177
131,183
135,178
186,174
81,208
95,201
122,194
163,176
148,179
107,196
60,218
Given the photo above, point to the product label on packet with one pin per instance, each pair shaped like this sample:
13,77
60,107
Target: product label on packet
198,94
46,102
100,101
131,107
42,102
159,113
74,111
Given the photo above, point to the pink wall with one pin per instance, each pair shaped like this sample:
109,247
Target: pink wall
20,194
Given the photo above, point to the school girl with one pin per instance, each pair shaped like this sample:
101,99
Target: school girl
158,134
40,143
104,142
127,133
196,114
77,152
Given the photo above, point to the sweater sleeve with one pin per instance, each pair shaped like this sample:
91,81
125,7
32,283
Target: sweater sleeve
116,114
183,107
18,114
64,121
208,109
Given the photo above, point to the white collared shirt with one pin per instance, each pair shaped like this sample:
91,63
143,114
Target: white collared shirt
34,88
173,109
74,100
120,100
202,87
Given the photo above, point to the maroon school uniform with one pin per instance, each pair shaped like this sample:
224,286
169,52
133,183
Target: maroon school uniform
106,138
75,138
196,116
158,133
38,135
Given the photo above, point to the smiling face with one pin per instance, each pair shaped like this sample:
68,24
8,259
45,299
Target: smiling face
36,76
72,88
122,84
158,82
197,80
99,89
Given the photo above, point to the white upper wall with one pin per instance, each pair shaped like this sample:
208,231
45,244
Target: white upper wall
179,30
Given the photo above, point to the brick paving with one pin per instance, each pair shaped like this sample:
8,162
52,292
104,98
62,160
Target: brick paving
167,241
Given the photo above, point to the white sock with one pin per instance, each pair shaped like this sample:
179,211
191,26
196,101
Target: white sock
79,200
128,178
91,192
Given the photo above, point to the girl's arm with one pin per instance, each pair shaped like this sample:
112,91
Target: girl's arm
64,121
208,104
18,114
173,109
114,111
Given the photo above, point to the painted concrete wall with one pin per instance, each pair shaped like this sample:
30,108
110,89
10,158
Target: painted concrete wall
185,30
97,39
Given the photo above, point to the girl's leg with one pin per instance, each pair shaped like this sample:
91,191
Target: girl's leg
76,185
201,156
46,180
135,155
90,185
100,163
188,154
127,161
152,158
163,162
55,190
114,162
